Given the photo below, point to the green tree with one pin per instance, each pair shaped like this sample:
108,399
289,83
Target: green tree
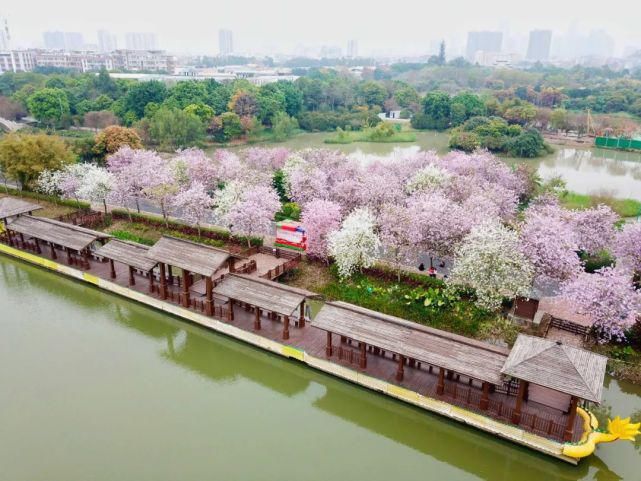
293,97
232,126
466,105
372,93
49,105
24,156
283,126
271,100
559,119
527,144
407,96
142,93
110,139
437,105
203,111
441,53
175,128
188,92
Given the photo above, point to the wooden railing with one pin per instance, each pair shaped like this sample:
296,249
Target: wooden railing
569,326
83,218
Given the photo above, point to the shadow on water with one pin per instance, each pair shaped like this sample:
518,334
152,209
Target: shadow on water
219,359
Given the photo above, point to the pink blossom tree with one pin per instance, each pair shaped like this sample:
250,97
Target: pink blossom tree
254,212
550,243
440,224
607,296
320,218
198,168
595,228
132,168
399,234
193,203
627,247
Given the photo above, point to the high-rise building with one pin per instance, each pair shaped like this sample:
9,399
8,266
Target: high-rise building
538,47
5,37
141,41
482,42
225,42
599,44
106,41
64,41
352,48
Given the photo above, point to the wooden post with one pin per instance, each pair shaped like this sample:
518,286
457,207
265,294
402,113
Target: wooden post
440,386
400,371
185,288
132,280
230,314
22,239
53,251
301,316
151,281
68,255
38,250
85,256
285,328
112,269
232,264
328,348
516,415
485,398
569,428
257,318
209,295
163,282
170,276
363,360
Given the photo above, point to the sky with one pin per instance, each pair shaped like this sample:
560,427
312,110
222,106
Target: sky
259,26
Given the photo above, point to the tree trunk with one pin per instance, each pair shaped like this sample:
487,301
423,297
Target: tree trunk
137,205
104,204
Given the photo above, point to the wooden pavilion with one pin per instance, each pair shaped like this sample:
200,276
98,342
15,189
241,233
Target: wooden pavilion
12,207
70,238
272,298
133,255
543,365
191,258
411,343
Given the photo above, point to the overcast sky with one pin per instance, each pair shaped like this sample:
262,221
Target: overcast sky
410,26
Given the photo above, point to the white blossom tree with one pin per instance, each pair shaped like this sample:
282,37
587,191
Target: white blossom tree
356,244
96,184
491,262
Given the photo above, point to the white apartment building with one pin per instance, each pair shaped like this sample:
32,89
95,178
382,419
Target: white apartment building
17,61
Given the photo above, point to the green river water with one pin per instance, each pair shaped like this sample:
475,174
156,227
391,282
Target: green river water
95,387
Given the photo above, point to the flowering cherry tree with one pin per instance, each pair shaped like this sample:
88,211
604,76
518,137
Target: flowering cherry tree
356,244
254,211
399,234
428,178
607,296
550,243
595,228
627,247
320,218
195,166
96,183
225,198
193,203
491,262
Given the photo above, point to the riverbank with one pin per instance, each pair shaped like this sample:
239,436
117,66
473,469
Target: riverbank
291,350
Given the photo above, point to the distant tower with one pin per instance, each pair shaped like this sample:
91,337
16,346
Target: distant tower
106,41
5,36
482,42
141,41
352,48
225,42
538,48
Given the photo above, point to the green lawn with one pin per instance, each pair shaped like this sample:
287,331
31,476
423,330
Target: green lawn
623,207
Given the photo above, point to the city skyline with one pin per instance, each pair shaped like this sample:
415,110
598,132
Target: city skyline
182,32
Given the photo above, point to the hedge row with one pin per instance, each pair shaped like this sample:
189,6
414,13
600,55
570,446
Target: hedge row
48,198
205,232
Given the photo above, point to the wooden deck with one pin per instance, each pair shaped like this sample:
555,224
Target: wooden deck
459,390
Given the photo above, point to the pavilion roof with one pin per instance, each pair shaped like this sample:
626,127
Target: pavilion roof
60,233
465,356
129,253
10,206
197,258
265,294
558,366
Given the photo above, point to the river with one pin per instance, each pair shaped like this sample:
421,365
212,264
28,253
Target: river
96,387
586,170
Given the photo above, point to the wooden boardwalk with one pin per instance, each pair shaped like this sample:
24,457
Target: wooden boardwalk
459,390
